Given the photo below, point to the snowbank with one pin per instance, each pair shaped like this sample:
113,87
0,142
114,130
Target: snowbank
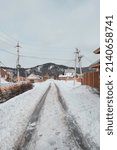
15,114
84,105
3,81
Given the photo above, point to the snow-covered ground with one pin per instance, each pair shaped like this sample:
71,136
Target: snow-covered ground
84,104
3,81
15,114
51,131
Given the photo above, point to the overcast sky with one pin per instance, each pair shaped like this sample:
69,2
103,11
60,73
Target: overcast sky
49,30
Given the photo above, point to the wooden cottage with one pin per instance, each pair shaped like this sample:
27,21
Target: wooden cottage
93,78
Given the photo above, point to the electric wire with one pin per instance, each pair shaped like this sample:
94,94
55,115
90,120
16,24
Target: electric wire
35,57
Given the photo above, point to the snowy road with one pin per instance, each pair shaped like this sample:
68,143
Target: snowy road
51,131
53,115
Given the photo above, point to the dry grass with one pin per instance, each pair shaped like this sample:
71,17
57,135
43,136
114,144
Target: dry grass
9,91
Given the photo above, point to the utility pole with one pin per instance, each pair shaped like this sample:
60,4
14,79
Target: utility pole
78,58
76,61
79,62
17,62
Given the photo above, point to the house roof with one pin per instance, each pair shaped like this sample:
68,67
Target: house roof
97,51
65,75
33,76
69,70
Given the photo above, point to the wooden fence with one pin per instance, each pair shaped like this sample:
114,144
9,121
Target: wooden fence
92,79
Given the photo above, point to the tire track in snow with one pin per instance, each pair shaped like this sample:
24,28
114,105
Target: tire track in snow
51,132
55,129
32,123
74,129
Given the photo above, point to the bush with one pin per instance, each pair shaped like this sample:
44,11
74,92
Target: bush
9,91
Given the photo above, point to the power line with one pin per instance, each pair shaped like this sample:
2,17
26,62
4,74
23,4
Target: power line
6,42
49,48
6,37
11,38
87,59
6,51
35,57
2,63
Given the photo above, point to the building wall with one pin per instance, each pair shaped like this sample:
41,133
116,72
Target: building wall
65,78
92,79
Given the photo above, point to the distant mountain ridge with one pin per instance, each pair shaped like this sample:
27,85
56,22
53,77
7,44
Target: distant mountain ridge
49,68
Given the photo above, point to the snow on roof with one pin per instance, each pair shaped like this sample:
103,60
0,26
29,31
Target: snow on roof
61,75
33,76
97,51
69,70
66,75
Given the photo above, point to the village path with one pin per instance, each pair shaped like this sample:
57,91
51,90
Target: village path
53,115
51,130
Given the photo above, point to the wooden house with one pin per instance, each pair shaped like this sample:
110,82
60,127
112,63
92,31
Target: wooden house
93,78
34,78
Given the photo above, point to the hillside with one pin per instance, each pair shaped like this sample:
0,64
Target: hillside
49,68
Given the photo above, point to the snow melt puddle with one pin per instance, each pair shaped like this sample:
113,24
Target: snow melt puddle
51,132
